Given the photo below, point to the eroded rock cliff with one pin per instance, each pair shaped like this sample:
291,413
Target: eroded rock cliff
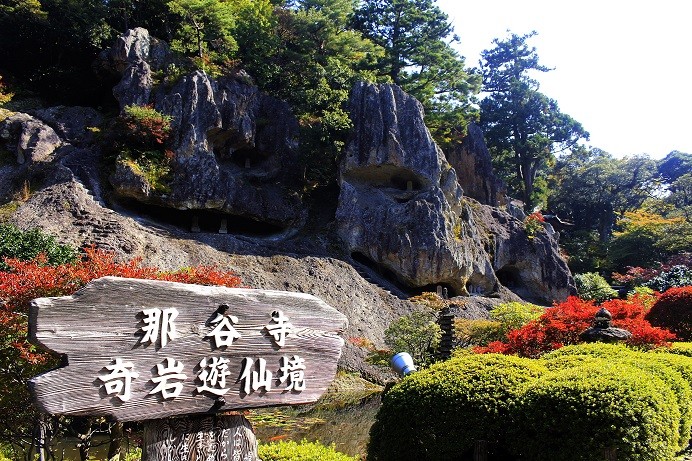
402,208
403,222
235,148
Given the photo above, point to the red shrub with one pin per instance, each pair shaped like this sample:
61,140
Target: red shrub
561,325
673,310
27,280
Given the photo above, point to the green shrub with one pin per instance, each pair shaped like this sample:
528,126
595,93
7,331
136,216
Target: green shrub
576,413
477,332
677,348
514,315
26,245
439,413
417,333
599,350
675,372
303,451
593,287
673,310
503,318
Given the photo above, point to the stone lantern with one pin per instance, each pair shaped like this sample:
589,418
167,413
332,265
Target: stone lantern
603,331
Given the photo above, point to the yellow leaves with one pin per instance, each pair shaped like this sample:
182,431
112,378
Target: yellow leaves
644,220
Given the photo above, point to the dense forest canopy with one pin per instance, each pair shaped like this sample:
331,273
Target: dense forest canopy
311,52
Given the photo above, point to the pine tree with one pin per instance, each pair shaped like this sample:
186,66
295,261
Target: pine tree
524,128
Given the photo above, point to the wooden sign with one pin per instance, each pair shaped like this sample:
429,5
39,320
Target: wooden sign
142,349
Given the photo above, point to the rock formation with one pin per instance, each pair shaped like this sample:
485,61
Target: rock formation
472,162
402,210
236,149
29,138
401,207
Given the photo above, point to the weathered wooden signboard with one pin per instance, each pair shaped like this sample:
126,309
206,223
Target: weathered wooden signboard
142,349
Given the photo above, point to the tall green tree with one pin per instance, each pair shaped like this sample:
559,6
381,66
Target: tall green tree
50,46
417,37
524,128
674,165
318,59
675,170
592,190
206,26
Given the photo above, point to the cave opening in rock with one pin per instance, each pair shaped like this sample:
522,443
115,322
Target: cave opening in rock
204,221
379,275
228,146
247,157
387,177
479,285
510,277
439,288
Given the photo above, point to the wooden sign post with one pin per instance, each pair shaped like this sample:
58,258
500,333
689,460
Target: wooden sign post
144,350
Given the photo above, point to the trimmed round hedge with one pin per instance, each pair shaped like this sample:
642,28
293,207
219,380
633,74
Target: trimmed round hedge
677,348
439,413
576,413
673,371
570,405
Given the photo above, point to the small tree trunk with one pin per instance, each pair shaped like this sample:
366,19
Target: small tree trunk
480,450
114,447
84,432
210,438
610,454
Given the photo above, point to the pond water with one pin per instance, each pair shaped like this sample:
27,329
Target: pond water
347,426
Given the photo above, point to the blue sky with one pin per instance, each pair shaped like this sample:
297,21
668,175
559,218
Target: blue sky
622,68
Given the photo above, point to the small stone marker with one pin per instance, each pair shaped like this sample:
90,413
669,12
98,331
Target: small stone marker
143,349
195,224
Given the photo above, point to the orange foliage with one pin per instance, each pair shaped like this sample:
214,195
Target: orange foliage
27,280
561,325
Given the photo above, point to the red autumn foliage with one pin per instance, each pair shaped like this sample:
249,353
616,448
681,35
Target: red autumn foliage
639,275
561,325
673,310
27,280
536,216
144,126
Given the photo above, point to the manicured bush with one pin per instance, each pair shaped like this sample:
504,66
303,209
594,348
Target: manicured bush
25,245
673,310
576,413
677,348
675,372
303,451
439,413
593,287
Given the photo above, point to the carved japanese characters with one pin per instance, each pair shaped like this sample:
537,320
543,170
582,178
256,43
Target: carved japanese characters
161,348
